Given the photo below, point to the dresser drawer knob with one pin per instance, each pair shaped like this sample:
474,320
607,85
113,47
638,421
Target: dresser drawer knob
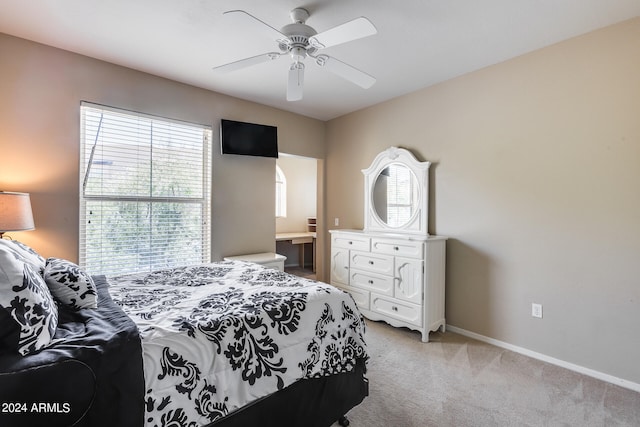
395,248
394,308
370,262
371,282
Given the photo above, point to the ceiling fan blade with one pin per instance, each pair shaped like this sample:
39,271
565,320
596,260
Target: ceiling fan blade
243,20
295,81
352,30
346,71
247,62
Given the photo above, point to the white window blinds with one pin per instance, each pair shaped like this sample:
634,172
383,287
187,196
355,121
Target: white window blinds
401,196
144,191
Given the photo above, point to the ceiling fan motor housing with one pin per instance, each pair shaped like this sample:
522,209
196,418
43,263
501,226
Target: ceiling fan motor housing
298,34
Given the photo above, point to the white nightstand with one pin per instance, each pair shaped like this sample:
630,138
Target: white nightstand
268,259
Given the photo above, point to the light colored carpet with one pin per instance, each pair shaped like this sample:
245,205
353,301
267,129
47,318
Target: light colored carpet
457,381
301,272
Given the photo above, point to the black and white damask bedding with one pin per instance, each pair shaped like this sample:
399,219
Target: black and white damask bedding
219,336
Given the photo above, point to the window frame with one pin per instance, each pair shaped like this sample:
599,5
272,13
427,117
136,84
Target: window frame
202,201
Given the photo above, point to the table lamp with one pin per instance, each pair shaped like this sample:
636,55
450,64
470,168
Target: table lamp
15,212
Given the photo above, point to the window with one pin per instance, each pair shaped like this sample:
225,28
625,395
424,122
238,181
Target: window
401,195
281,193
144,191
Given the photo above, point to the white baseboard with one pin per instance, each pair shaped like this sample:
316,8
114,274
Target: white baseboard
577,368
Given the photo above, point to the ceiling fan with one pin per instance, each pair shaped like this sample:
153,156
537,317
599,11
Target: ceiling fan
299,41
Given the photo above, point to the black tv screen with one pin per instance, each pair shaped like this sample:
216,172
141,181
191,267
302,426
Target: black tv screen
248,139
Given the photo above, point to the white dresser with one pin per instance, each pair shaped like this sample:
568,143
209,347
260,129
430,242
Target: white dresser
395,278
393,268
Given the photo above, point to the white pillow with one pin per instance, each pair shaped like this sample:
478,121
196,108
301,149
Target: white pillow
70,284
26,300
25,253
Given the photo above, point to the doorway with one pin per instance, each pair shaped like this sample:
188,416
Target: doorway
297,196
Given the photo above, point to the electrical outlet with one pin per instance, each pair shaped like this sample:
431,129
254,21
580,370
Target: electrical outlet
536,310
336,221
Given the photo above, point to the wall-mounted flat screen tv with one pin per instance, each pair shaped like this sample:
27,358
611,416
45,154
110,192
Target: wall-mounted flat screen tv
248,139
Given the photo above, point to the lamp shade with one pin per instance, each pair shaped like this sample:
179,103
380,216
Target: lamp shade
15,212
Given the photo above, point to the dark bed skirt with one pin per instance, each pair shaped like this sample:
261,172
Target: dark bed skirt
315,402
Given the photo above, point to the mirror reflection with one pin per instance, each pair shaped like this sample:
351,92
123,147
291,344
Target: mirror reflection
395,195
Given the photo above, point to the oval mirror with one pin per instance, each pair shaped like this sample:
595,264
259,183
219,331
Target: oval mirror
395,195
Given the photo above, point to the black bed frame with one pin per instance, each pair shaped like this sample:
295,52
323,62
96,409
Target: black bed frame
315,402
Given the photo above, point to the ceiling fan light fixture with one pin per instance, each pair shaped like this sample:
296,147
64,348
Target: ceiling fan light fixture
295,81
298,54
297,66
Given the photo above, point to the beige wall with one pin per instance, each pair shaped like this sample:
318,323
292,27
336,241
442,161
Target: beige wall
535,179
40,93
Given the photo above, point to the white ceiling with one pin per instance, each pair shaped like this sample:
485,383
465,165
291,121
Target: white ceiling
419,42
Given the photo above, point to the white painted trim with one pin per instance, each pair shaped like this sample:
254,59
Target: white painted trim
573,367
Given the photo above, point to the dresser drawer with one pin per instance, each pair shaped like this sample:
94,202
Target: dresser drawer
406,248
371,281
404,311
372,262
360,296
350,241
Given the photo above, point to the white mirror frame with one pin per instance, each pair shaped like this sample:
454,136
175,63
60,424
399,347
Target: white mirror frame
420,220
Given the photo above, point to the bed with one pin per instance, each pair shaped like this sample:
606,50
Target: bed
221,344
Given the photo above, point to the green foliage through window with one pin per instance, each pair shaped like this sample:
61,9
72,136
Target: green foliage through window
144,192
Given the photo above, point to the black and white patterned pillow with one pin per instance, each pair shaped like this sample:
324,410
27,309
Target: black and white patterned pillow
30,315
70,284
25,254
